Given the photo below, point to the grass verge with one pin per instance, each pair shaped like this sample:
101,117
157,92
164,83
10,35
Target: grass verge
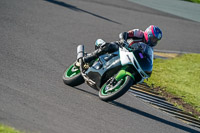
6,129
178,79
195,1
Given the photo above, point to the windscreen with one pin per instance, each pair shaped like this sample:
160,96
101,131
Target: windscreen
144,56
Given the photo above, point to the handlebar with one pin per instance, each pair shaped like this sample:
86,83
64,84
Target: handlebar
125,44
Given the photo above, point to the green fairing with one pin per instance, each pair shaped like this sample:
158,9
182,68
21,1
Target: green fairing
123,73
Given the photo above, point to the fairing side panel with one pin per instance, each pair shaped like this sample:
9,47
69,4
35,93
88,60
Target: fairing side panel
104,68
126,57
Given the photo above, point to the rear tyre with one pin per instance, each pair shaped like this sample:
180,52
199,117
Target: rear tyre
72,76
118,89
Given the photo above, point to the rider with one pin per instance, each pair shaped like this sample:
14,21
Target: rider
150,36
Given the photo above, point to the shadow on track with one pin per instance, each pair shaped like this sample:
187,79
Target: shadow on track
60,3
150,116
86,91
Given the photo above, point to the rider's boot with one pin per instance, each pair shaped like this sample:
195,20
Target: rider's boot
92,56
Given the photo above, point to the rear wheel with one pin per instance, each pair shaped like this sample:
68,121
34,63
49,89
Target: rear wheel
72,76
110,91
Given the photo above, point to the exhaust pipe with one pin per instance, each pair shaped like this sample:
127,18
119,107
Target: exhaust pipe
80,51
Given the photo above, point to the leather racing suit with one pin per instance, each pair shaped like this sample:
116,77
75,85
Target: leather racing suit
132,37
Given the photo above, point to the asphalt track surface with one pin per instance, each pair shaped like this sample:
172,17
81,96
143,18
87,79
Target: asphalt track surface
38,40
182,8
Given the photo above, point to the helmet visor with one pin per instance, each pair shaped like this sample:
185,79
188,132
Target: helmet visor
153,41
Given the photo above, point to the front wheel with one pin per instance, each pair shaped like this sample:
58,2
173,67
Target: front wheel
110,92
72,76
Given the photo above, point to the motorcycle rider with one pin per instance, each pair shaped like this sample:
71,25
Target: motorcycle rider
150,36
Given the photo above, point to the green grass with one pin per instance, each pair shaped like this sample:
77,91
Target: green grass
195,1
6,129
179,76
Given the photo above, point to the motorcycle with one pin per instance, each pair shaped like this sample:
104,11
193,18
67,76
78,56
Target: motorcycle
111,74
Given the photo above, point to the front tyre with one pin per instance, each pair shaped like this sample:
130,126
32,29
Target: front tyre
117,90
72,76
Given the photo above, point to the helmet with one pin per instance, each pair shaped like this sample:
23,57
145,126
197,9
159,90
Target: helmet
152,35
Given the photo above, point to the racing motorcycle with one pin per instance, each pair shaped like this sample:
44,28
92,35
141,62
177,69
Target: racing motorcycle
114,73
